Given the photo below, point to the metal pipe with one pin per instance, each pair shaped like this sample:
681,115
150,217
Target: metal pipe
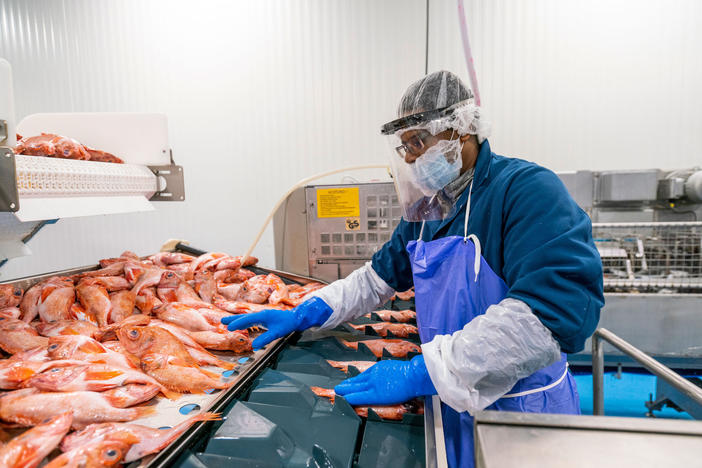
656,368
597,376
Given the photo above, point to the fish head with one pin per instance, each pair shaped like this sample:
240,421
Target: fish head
73,346
240,343
169,279
56,378
136,340
10,296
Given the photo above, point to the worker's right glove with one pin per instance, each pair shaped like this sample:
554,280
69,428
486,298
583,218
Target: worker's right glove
311,313
388,382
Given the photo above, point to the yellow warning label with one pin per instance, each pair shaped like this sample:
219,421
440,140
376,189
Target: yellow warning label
338,203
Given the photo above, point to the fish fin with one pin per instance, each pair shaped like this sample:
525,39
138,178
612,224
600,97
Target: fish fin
210,374
102,375
144,411
20,374
91,347
171,395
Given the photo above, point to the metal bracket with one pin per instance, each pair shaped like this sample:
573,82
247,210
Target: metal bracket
4,134
9,198
171,184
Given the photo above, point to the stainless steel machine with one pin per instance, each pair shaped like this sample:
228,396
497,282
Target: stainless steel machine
647,225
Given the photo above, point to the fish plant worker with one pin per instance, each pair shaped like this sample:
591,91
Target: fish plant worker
506,275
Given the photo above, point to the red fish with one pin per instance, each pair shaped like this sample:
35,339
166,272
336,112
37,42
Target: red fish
402,316
164,259
84,348
28,305
68,327
10,296
233,276
405,295
109,451
130,395
362,366
205,285
228,290
57,296
187,317
179,375
401,330
95,300
30,448
301,294
92,377
29,407
10,312
16,336
396,348
15,373
122,305
392,412
223,340
147,301
151,440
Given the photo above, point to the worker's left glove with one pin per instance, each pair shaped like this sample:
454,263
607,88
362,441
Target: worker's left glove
388,383
311,313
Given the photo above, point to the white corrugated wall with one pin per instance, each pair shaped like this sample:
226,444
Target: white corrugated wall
262,93
571,84
259,94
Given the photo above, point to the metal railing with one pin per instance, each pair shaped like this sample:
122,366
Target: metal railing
687,388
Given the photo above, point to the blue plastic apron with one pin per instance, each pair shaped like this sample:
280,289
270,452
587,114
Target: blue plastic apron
453,284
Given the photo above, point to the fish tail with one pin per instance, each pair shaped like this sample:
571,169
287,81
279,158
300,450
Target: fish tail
207,417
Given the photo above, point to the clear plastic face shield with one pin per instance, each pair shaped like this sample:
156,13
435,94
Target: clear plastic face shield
426,156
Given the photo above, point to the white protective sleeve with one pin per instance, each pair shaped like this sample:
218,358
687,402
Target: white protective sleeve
359,293
475,366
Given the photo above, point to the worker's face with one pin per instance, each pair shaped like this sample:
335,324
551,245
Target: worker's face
414,143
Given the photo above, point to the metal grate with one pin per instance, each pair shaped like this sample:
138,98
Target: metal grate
645,256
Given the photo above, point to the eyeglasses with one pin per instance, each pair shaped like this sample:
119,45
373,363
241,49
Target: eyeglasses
415,144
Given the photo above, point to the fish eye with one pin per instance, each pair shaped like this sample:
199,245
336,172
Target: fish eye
55,369
133,333
111,454
53,346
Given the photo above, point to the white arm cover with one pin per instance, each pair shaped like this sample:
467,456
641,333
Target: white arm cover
359,293
477,365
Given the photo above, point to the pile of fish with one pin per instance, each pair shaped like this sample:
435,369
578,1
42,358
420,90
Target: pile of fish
391,412
58,146
87,351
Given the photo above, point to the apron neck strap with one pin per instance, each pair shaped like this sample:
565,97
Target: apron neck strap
465,222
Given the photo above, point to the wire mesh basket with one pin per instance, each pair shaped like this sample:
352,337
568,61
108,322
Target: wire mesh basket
650,256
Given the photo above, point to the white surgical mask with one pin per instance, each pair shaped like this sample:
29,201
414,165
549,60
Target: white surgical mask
438,166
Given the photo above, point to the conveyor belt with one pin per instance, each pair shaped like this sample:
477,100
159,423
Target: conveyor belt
279,422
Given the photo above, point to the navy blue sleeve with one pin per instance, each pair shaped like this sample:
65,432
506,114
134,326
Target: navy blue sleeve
392,262
550,260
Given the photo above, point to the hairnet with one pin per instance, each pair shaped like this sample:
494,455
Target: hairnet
440,90
435,91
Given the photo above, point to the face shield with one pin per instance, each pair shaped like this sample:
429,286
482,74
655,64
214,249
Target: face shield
426,156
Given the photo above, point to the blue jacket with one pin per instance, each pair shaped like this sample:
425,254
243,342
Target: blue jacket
532,234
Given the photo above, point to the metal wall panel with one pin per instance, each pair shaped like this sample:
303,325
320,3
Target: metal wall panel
603,84
259,94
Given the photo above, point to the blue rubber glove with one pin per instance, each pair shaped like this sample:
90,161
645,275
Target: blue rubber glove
388,383
311,313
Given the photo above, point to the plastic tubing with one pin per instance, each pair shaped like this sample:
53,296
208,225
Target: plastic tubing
468,52
299,184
